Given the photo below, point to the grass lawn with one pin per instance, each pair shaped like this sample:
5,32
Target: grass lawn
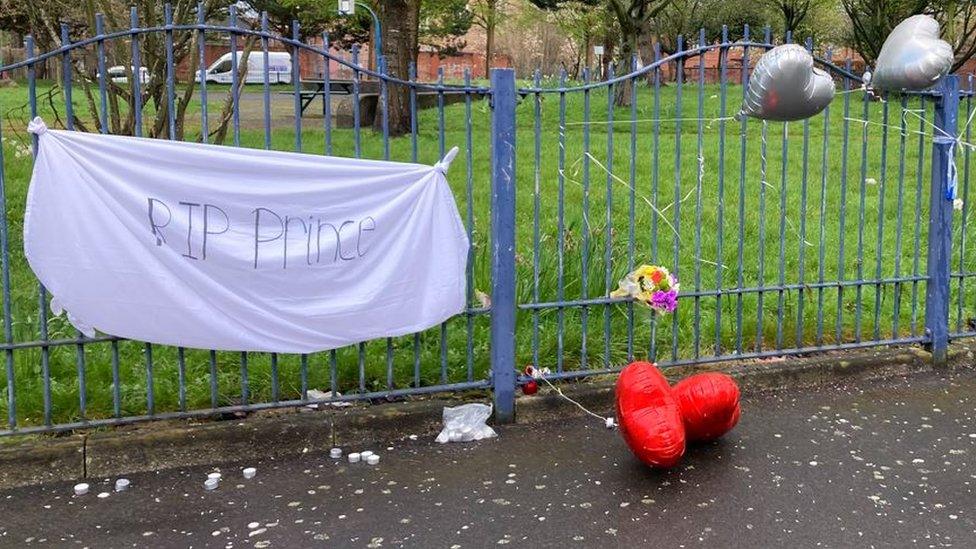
815,209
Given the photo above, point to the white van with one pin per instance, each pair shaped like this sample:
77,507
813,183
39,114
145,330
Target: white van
118,75
279,68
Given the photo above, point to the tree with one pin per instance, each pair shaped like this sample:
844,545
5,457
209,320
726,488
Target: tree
872,20
400,20
313,16
634,17
41,19
487,14
678,18
821,20
584,21
958,20
14,16
686,17
443,23
45,17
792,12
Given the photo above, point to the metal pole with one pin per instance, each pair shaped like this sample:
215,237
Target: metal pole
378,34
503,309
942,194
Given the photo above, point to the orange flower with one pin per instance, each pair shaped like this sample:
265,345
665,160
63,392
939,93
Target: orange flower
656,276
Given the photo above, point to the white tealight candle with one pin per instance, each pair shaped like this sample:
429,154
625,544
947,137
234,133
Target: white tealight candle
81,489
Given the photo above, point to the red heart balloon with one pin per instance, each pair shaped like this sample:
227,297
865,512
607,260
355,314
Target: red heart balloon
709,404
648,415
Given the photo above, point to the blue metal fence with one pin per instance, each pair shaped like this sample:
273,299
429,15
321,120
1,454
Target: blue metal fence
795,238
831,233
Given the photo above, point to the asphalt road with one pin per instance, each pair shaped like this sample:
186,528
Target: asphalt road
877,464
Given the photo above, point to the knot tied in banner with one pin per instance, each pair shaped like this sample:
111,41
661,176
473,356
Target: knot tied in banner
36,126
445,163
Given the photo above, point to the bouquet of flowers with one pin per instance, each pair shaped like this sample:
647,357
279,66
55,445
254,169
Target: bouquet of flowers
653,286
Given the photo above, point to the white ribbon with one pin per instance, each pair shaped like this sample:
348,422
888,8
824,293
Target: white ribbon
952,175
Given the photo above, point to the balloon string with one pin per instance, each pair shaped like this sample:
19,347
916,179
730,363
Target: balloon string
952,172
607,421
659,212
969,121
900,129
630,121
644,120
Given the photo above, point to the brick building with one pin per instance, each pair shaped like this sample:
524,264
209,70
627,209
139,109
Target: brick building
312,65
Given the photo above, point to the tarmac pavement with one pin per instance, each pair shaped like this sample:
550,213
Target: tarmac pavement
868,464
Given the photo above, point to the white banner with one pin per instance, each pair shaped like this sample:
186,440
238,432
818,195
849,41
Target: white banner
239,249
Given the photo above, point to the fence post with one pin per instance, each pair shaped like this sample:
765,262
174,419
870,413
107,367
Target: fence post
941,196
503,306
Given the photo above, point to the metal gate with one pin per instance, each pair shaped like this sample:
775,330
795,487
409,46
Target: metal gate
788,238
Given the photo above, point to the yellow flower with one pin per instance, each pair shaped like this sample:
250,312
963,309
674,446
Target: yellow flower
645,271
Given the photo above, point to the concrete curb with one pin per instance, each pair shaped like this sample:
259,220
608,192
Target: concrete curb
144,448
42,460
790,373
164,445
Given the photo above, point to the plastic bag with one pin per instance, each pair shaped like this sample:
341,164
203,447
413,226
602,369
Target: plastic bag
466,423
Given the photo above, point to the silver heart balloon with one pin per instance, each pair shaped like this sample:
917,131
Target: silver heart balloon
786,86
913,56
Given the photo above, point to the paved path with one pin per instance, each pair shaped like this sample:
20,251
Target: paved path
251,110
870,465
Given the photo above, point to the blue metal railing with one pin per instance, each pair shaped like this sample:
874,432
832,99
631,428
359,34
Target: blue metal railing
828,231
189,383
870,284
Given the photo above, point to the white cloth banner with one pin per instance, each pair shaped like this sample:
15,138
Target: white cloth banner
240,249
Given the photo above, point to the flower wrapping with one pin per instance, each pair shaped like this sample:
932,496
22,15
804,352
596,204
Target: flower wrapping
651,285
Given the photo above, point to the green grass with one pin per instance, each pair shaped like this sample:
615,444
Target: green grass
784,205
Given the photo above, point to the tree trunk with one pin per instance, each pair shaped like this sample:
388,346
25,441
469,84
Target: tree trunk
228,110
622,95
607,58
587,51
489,46
371,61
400,21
